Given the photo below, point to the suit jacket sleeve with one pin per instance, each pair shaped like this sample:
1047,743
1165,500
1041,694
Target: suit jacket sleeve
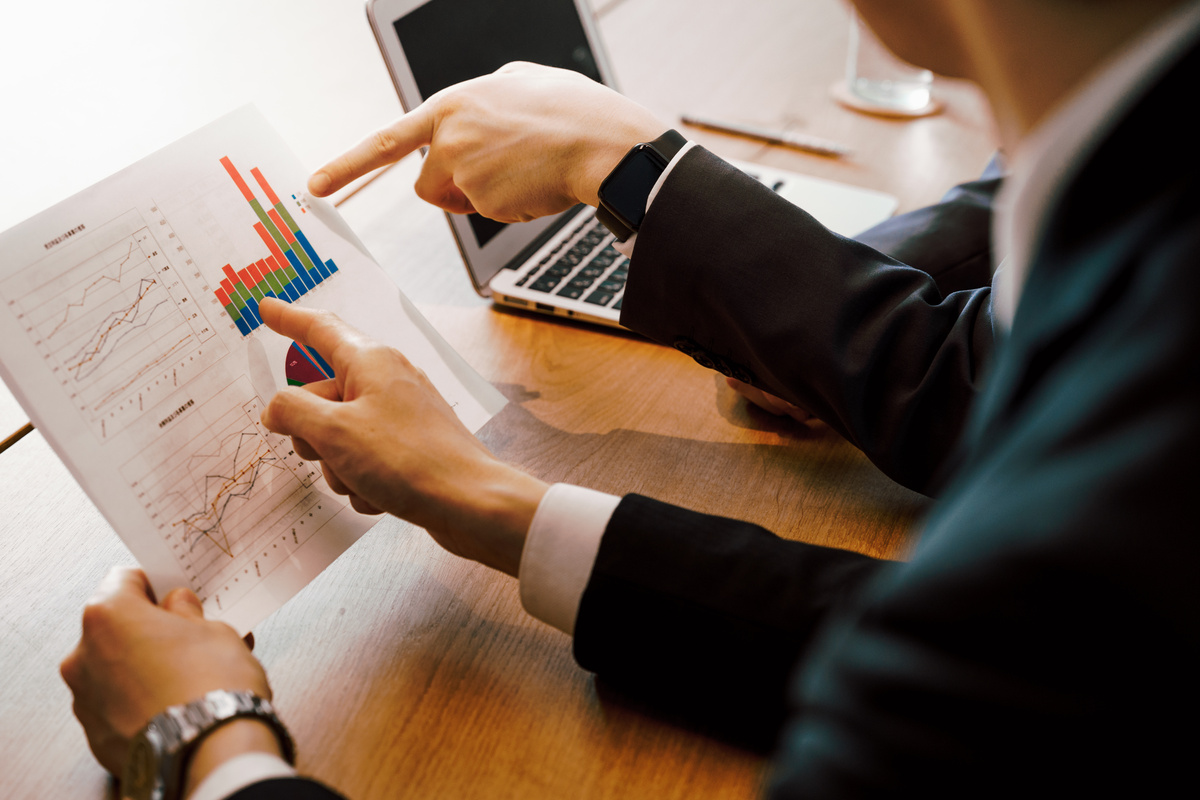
951,240
745,282
704,616
286,789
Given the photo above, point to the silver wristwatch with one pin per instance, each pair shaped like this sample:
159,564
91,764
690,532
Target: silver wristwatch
160,752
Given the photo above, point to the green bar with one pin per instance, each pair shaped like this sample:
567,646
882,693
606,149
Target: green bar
232,311
283,212
284,283
297,249
243,294
274,283
269,225
290,271
307,262
286,272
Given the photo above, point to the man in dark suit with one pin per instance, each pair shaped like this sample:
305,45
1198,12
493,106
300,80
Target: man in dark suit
1044,636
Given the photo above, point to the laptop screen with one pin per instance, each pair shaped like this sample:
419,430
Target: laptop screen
486,35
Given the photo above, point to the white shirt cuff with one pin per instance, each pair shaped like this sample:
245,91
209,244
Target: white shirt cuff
239,772
560,552
625,248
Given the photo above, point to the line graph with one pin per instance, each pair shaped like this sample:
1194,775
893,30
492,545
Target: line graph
102,280
114,321
238,505
233,484
114,327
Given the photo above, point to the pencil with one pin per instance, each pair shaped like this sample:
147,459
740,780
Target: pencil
799,141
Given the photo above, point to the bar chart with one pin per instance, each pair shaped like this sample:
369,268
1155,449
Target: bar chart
290,269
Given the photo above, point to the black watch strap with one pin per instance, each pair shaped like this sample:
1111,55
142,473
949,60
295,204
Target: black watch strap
623,194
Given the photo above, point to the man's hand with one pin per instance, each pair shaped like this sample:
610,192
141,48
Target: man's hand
768,402
386,438
523,142
136,658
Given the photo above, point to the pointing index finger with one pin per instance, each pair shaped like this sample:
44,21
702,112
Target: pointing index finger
321,330
386,146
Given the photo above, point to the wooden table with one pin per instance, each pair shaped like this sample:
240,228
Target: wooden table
403,671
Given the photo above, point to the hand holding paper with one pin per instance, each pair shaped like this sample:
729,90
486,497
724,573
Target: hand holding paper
386,438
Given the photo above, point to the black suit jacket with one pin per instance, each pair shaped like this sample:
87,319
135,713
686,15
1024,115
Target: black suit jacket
289,788
952,239
1045,637
745,282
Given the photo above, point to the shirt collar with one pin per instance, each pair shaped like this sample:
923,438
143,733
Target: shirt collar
1050,155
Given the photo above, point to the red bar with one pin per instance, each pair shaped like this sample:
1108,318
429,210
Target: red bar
266,187
254,270
270,242
273,264
229,273
227,286
247,279
223,296
237,178
284,229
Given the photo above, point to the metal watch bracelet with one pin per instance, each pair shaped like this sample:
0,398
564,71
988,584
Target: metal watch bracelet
159,753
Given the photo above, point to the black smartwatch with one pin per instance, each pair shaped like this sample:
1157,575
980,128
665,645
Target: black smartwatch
624,192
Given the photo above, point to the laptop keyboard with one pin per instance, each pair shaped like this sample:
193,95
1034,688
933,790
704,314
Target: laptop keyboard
584,266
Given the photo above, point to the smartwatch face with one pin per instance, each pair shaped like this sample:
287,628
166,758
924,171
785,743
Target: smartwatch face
629,185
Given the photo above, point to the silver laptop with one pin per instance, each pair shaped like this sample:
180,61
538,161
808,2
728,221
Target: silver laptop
566,264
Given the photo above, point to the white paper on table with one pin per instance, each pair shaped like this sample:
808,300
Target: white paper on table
117,345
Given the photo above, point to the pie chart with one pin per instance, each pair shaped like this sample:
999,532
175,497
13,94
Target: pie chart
304,365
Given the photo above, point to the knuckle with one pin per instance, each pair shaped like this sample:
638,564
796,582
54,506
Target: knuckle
68,668
446,103
323,316
401,360
427,189
97,615
382,143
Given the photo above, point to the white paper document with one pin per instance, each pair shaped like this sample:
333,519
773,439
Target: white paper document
131,337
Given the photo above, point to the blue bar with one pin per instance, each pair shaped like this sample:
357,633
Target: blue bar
308,248
300,270
243,327
252,312
331,266
321,362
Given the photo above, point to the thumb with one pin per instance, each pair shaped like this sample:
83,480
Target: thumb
300,414
184,602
